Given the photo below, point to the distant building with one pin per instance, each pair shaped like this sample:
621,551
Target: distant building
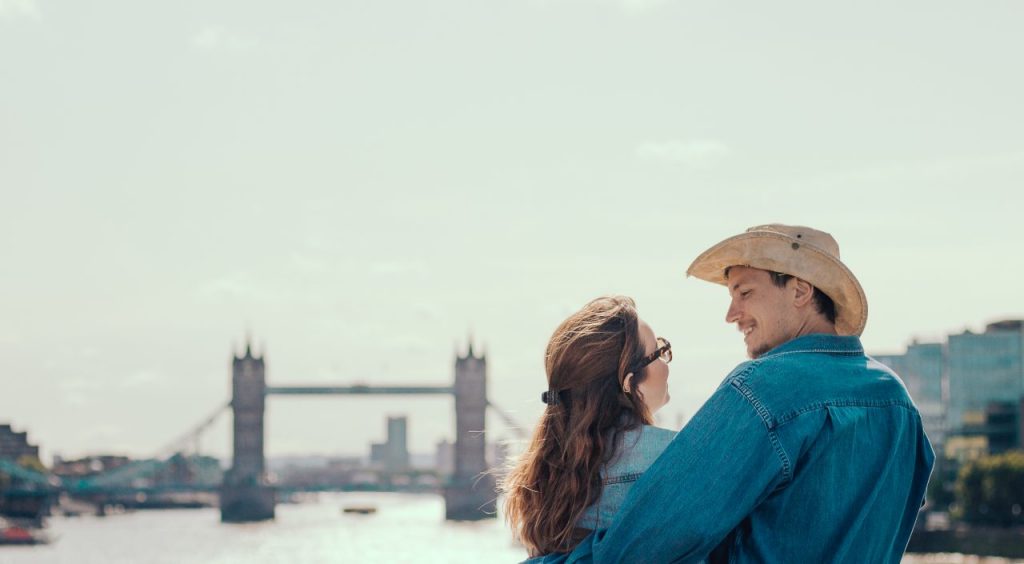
921,369
398,443
15,445
378,455
445,458
392,455
970,390
498,454
1020,422
88,466
962,449
997,426
985,368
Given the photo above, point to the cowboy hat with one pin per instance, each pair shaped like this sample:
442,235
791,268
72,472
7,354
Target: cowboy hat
803,252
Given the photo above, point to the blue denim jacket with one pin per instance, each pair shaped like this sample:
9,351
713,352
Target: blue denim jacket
814,452
638,449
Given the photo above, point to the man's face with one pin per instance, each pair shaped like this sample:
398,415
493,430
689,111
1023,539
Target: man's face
762,311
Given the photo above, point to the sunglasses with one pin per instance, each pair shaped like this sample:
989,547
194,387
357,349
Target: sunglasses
664,352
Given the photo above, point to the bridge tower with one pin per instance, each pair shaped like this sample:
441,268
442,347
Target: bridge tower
245,494
470,494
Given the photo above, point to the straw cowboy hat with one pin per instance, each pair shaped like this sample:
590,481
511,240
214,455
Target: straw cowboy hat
803,252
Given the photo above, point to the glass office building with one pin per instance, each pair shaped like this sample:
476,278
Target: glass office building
984,369
972,385
922,370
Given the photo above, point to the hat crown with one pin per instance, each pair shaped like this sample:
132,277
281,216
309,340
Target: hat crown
802,234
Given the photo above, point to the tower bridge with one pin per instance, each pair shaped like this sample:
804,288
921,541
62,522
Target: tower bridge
246,494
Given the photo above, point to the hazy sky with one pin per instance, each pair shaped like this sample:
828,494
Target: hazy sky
362,184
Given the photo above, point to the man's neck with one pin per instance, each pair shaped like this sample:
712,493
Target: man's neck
815,325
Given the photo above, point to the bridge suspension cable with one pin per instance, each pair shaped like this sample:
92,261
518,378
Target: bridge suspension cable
518,430
192,436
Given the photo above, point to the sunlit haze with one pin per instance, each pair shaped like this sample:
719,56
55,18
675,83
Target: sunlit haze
362,186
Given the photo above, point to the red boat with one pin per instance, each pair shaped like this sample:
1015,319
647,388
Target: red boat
11,533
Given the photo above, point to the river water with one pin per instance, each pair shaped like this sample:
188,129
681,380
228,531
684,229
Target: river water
405,528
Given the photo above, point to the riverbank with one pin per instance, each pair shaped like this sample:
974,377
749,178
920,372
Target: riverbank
988,542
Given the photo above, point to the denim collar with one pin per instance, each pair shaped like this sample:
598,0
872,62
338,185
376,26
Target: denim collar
820,343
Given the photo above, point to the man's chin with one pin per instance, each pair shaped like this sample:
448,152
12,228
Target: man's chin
755,352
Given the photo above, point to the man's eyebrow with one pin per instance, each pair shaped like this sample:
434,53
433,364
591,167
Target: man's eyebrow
735,286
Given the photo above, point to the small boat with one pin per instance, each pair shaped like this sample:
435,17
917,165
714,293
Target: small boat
359,509
16,534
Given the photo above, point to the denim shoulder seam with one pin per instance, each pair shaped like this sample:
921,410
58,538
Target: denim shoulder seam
742,374
767,419
623,478
850,352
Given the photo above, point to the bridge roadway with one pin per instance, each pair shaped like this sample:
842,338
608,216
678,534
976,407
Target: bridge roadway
357,390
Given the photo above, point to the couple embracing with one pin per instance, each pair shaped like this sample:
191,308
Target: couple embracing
811,451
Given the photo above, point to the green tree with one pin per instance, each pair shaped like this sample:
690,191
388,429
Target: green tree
990,490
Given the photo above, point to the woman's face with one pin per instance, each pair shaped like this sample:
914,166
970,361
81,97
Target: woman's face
654,388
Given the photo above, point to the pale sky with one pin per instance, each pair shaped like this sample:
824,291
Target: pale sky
363,184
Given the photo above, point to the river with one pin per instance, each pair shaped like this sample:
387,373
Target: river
405,528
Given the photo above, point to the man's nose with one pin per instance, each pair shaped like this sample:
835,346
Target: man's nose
733,314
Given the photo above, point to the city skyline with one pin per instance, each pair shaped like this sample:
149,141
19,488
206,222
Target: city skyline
361,191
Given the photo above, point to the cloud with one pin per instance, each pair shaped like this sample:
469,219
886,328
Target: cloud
19,8
250,289
694,153
628,6
638,6
428,311
145,378
9,337
239,285
219,38
308,264
103,432
89,352
398,267
79,390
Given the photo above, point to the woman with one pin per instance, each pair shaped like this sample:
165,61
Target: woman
607,375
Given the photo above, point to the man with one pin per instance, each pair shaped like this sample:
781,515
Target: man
809,452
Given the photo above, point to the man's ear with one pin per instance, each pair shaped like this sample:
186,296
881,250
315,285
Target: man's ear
803,291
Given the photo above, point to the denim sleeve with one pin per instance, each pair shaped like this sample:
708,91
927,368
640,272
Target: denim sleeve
712,475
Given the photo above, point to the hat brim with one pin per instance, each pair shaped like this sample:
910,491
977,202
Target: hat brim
767,250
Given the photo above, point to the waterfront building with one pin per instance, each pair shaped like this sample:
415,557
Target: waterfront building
15,446
997,426
498,456
964,448
985,368
393,454
922,369
398,444
88,466
969,390
445,458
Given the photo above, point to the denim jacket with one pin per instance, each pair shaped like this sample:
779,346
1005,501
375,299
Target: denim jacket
813,452
638,448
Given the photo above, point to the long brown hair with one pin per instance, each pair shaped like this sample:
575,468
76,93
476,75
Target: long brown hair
558,476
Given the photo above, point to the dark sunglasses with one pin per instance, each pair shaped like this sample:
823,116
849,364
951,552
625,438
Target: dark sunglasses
664,352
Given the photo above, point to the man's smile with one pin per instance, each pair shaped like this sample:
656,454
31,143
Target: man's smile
746,330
